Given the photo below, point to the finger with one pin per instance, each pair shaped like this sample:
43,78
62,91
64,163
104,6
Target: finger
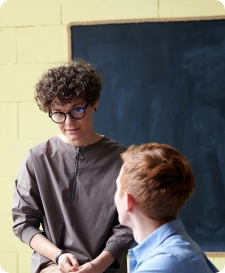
84,268
63,269
64,265
73,269
74,262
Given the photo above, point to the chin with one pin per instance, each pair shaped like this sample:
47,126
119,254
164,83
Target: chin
72,138
122,222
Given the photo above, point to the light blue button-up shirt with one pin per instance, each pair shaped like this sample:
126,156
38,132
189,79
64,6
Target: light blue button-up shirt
169,250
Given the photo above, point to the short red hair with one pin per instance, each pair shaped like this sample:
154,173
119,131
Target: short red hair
159,178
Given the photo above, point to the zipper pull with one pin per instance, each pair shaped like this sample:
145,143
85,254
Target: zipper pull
78,154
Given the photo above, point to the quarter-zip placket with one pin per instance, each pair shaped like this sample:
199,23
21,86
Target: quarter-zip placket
78,157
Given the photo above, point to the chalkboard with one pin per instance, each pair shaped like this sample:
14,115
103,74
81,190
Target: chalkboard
165,82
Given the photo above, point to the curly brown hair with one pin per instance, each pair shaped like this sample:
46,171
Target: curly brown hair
77,79
159,178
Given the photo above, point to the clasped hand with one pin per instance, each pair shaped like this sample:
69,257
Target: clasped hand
68,263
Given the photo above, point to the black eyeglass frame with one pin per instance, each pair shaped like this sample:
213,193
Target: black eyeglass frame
68,113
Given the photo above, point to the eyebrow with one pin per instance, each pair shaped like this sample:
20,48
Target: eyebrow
74,106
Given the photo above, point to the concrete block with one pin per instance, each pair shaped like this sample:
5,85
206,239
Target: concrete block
105,10
18,81
30,13
9,162
219,262
211,258
7,45
8,241
6,189
8,262
190,8
47,44
35,124
8,120
24,262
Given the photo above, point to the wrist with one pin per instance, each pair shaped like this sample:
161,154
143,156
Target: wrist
96,266
102,262
58,254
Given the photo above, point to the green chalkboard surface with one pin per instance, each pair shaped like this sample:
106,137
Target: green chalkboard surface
165,82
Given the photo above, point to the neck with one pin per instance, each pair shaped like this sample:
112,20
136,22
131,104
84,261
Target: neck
142,231
143,226
91,139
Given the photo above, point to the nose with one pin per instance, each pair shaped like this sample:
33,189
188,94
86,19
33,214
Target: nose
69,119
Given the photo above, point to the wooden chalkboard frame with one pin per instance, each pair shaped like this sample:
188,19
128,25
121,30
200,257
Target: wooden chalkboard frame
219,254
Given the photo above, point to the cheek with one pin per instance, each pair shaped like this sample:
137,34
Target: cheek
116,198
118,201
60,126
119,204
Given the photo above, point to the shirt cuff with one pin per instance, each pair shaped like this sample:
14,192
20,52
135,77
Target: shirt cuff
28,233
117,251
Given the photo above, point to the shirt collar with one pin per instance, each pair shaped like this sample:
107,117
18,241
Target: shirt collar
155,239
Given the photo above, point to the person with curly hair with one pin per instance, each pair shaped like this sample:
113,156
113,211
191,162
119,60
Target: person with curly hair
64,195
155,181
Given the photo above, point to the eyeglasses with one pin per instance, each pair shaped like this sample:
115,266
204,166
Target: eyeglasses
75,113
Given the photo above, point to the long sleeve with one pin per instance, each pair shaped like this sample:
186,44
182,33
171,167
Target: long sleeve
120,240
27,210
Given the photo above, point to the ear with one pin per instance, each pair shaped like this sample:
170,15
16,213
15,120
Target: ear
129,202
96,106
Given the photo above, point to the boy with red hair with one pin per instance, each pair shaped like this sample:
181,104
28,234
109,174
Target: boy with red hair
154,183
